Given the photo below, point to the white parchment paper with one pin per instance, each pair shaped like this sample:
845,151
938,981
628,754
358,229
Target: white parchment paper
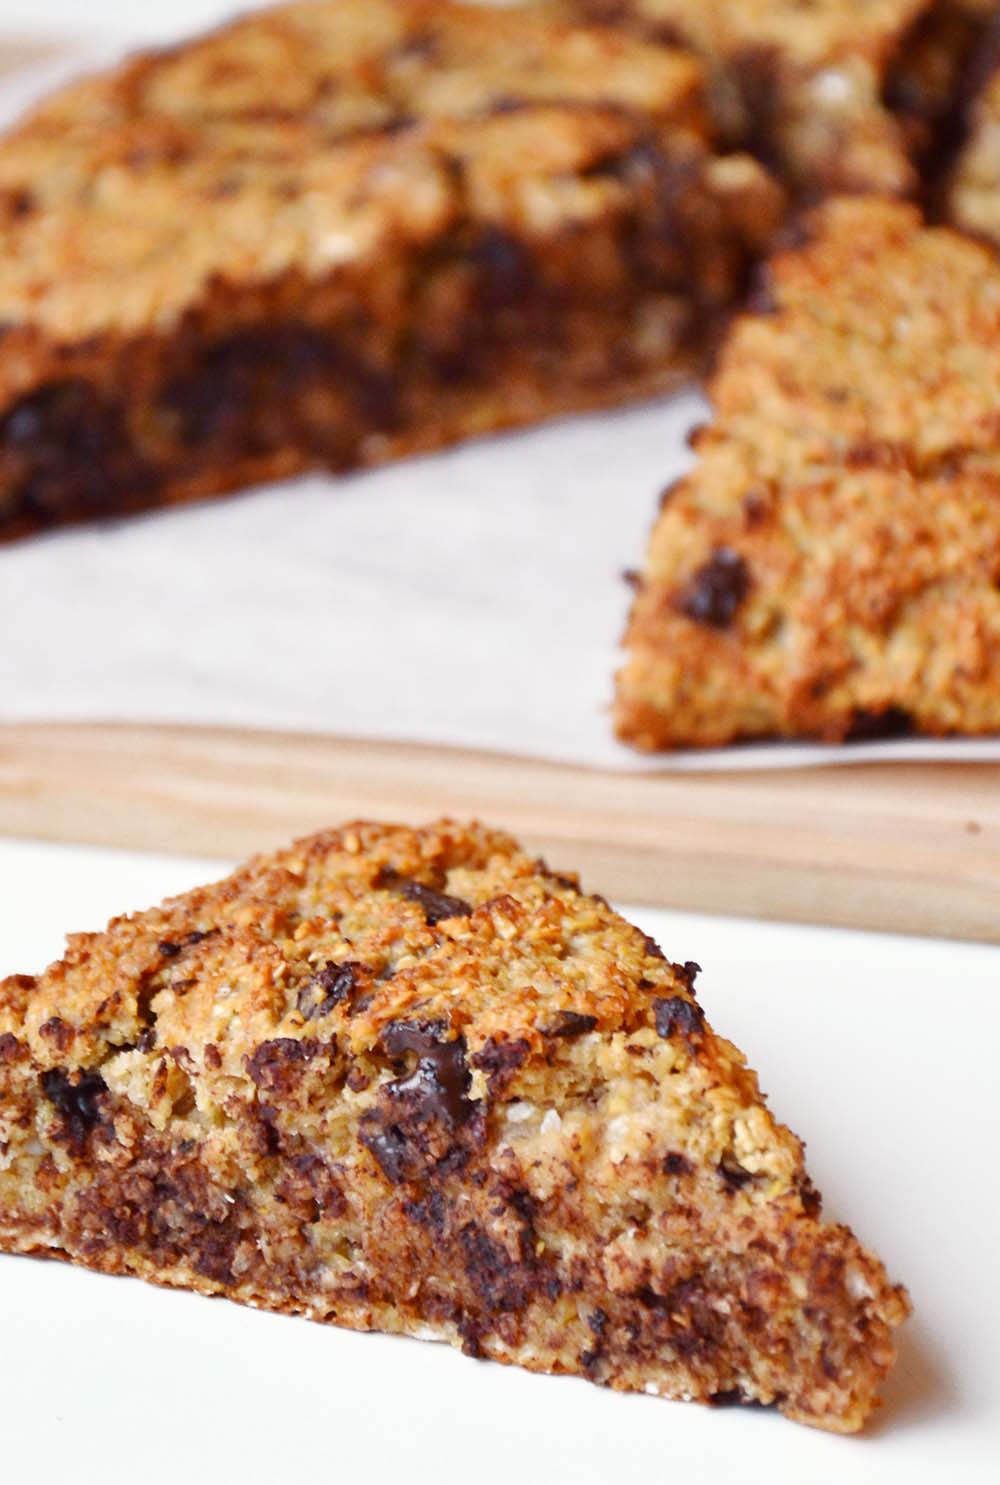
473,597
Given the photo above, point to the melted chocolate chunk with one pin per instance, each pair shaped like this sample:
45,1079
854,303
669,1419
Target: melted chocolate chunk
327,988
733,1174
436,905
168,948
570,1024
869,726
78,1103
440,1080
676,1165
717,589
675,1014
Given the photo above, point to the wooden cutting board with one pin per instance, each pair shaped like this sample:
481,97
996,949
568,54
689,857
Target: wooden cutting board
904,847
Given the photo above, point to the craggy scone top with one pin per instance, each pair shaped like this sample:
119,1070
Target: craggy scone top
800,36
310,136
832,565
806,82
351,932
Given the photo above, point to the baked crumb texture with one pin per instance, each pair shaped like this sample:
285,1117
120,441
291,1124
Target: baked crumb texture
333,233
831,567
413,1081
838,95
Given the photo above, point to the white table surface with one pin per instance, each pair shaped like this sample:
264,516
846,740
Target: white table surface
148,20
881,1051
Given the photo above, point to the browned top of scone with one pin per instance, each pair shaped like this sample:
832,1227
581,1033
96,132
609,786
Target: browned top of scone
834,558
806,83
799,36
311,136
344,933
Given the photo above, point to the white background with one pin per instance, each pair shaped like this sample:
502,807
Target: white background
146,19
880,1050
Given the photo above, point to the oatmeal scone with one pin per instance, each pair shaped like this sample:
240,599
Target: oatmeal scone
413,1081
335,232
810,87
831,567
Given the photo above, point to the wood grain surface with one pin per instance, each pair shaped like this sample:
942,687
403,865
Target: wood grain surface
905,847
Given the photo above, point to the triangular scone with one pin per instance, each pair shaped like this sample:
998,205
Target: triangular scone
330,233
831,566
413,1081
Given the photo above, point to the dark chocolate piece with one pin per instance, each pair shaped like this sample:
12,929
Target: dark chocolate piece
78,1103
870,726
675,1014
570,1024
676,1165
277,1063
436,905
733,1174
10,1047
440,1079
328,987
717,589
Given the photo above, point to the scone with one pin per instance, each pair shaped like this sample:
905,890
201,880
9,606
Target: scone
332,233
413,1081
810,86
831,567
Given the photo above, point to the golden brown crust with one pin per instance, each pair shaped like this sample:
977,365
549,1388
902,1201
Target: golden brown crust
334,232
413,1080
804,84
832,566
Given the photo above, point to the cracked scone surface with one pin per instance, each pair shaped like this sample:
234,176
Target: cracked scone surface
831,566
335,232
412,1080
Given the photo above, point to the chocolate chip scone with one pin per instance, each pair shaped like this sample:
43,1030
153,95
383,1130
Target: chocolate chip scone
831,567
413,1081
815,88
333,233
